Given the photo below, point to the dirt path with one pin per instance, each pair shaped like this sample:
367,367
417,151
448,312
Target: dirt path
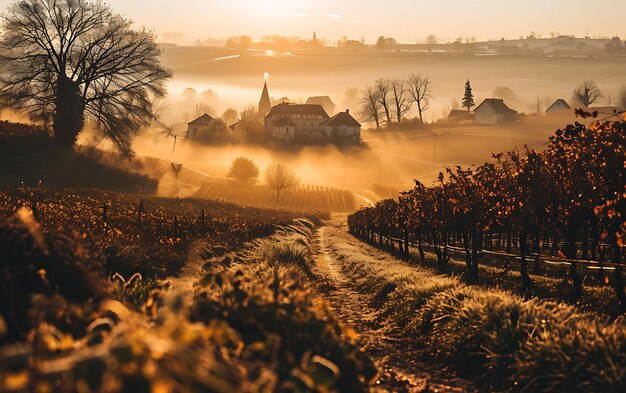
400,361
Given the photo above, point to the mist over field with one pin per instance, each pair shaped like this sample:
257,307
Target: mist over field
237,76
396,158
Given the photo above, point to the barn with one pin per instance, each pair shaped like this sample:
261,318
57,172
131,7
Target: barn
200,127
558,106
493,111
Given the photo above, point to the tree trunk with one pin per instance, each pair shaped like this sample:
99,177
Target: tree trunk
387,114
475,247
537,250
570,253
420,248
585,245
438,252
468,255
509,242
526,282
69,114
419,110
406,243
618,282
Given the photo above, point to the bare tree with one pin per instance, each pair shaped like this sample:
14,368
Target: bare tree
587,93
370,106
609,98
536,107
168,131
470,44
420,89
250,123
280,178
400,98
382,85
504,93
431,40
622,97
64,59
454,104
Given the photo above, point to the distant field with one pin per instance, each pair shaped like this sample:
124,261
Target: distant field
238,75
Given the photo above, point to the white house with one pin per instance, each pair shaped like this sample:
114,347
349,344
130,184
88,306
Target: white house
342,127
307,119
283,129
558,106
493,111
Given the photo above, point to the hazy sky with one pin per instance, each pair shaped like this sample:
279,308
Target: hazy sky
407,20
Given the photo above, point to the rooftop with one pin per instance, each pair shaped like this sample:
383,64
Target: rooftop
202,120
496,104
342,119
298,109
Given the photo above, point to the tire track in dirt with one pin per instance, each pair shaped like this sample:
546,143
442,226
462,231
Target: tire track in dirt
398,357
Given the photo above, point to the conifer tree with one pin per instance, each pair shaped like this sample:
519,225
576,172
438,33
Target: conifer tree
468,98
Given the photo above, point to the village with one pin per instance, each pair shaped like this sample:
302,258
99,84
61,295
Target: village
313,122
316,121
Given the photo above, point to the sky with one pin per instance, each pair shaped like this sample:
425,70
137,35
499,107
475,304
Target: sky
406,20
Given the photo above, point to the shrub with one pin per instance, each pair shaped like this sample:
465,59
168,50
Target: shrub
244,169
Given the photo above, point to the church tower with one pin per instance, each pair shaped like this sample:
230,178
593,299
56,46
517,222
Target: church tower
265,105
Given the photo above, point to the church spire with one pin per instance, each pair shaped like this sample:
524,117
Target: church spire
265,105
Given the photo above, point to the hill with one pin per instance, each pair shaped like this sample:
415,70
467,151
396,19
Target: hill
28,156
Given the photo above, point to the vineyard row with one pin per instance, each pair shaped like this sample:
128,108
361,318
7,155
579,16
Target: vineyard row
565,204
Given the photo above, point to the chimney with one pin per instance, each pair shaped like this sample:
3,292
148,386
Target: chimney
348,111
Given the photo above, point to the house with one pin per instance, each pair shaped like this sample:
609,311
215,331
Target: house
284,129
342,127
493,111
200,128
324,101
307,119
461,116
558,106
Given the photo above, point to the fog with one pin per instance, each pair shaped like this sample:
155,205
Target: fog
237,76
391,158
